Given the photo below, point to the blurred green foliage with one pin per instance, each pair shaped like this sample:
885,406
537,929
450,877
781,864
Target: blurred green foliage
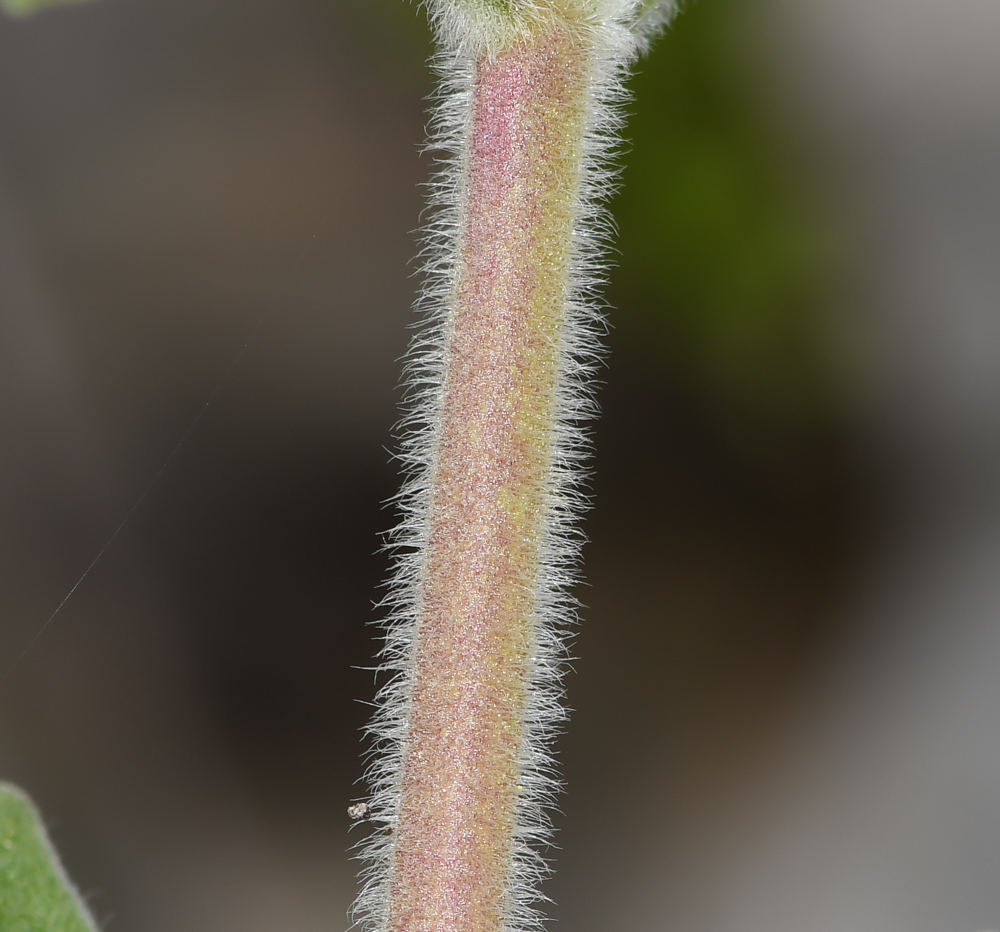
35,895
728,259
24,7
398,32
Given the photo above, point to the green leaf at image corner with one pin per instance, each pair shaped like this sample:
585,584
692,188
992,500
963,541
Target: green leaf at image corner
35,893
24,7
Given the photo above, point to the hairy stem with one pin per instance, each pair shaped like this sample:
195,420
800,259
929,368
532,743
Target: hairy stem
461,771
461,768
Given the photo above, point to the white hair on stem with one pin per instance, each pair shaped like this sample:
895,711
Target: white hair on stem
469,31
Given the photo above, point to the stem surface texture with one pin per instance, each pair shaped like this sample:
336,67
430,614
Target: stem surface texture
461,770
501,378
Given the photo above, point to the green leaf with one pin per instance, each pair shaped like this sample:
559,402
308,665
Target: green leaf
24,7
35,893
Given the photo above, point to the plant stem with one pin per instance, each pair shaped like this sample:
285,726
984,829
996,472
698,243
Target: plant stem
462,771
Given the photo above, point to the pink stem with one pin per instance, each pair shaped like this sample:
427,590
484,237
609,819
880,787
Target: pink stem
450,868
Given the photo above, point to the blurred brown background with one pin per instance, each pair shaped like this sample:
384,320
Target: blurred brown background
787,710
